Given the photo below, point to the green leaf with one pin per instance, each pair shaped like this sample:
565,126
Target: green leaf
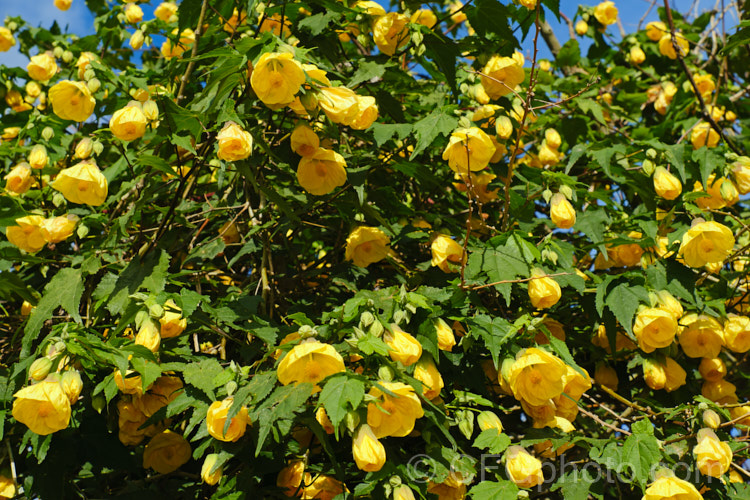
495,332
641,451
444,52
709,162
63,290
148,272
439,122
340,395
593,222
490,17
159,164
10,210
623,301
366,72
492,440
315,24
383,132
370,344
283,403
203,375
11,284
495,490
575,485
569,55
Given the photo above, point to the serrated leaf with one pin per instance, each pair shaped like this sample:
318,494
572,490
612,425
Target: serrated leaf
315,24
569,55
383,132
641,451
370,344
593,223
63,290
149,273
203,375
340,395
494,490
366,72
439,122
283,403
575,485
494,331
492,441
623,301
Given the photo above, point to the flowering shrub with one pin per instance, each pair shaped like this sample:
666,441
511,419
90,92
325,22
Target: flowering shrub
333,250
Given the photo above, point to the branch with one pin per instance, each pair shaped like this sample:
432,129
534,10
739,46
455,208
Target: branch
198,31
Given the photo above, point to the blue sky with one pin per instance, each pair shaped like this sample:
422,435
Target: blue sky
78,19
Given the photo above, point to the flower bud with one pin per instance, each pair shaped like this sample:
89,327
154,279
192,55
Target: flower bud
210,474
48,133
40,368
67,56
711,419
385,373
94,84
98,148
57,52
72,385
98,402
351,420
136,40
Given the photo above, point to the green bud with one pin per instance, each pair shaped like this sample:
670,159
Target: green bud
366,319
306,331
547,195
466,423
140,318
94,84
351,420
98,402
394,481
89,74
651,153
358,333
385,373
155,311
67,56
57,52
231,387
98,147
48,133
40,368
648,167
58,199
377,329
82,231
566,191
399,317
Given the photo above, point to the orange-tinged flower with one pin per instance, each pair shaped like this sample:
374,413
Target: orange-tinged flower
322,487
390,32
368,452
720,391
607,376
304,140
704,135
133,13
637,56
367,113
322,417
321,172
340,104
309,362
522,468
128,123
234,143
210,473
273,23
479,183
701,337
502,74
83,63
582,27
562,212
667,48
536,376
393,415
366,245
172,323
8,487
452,488
706,242
19,179
654,328
671,488
737,333
27,234
546,448
712,369
445,337
44,407
170,48
446,253
71,100
42,67
277,78
544,292
216,421
290,478
712,455
63,4
166,452
57,229
427,373
666,185
131,383
655,30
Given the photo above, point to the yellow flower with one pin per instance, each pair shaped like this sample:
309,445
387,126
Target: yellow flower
667,49
654,328
84,148
148,336
83,63
368,452
133,13
582,27
544,292
42,67
57,229
607,376
655,30
229,233
128,123
170,49
273,23
529,4
666,185
216,419
468,149
675,375
172,323
366,245
367,113
713,455
304,141
136,40
666,302
706,242
606,13
671,488
716,199
393,415
166,11
166,452
309,362
234,142
82,183
210,474
38,156
637,56
479,182
427,373
705,84
19,179
131,383
562,212
322,487
546,448
72,385
403,492
704,135
711,419
8,488
63,4
277,78
712,369
536,376
27,234
340,104
488,420
390,32
6,39
702,337
322,172
720,391
290,478
502,74
737,333
445,251
402,346
503,127
445,337
741,172
322,417
425,17
71,100
522,468
44,407
452,488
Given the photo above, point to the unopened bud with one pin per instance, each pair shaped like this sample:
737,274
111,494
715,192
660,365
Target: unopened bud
648,167
82,231
231,387
140,318
711,419
58,52
566,191
48,133
366,319
98,148
136,40
40,368
651,153
351,420
306,331
67,56
89,74
377,329
465,422
547,195
58,199
155,311
98,402
94,84
385,373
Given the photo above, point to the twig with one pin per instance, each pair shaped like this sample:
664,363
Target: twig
602,422
191,64
520,280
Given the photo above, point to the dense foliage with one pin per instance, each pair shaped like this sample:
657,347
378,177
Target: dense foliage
309,249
